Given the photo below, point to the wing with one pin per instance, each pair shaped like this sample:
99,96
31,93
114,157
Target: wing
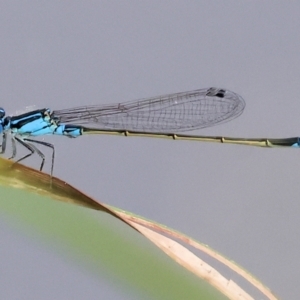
168,113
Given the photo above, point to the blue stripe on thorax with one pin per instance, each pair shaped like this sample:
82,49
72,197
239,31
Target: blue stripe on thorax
33,123
40,122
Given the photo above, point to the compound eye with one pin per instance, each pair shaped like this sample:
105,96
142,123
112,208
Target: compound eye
2,113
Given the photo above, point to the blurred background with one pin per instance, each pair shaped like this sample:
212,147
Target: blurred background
242,201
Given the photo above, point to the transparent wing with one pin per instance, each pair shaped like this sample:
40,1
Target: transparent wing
173,112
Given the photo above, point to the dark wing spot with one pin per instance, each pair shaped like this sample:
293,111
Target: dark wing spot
215,92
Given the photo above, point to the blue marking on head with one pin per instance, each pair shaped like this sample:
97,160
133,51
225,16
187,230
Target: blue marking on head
2,115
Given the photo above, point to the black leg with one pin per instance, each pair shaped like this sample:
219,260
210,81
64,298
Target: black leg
14,148
32,149
3,145
26,145
43,157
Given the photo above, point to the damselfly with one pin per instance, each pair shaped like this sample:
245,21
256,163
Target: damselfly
163,117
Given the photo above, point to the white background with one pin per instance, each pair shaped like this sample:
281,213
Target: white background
242,201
